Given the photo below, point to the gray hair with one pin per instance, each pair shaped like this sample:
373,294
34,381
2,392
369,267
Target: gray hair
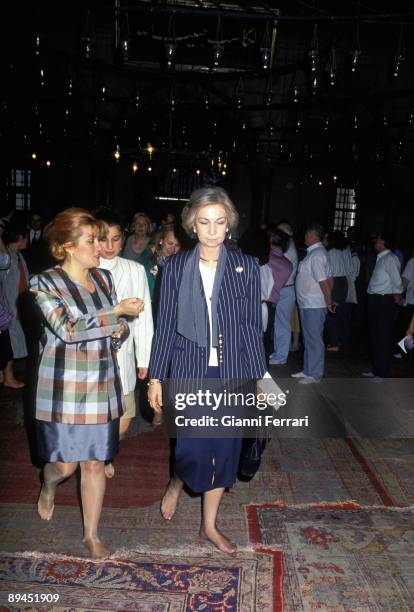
316,229
204,197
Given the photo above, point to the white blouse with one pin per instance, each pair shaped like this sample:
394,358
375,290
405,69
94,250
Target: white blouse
131,281
207,277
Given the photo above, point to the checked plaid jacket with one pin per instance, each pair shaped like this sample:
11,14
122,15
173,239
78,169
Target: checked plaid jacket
78,379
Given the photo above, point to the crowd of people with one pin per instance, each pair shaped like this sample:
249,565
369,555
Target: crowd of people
219,314
332,290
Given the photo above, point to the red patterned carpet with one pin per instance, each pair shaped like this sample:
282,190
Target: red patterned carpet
308,545
141,466
156,565
143,582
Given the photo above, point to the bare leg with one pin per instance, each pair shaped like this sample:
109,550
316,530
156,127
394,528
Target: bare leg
123,428
211,503
93,484
53,474
9,379
170,499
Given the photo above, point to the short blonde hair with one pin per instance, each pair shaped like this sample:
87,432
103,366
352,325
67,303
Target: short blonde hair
204,197
66,228
162,235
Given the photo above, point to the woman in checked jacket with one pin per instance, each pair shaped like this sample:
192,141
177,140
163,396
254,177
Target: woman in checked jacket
79,396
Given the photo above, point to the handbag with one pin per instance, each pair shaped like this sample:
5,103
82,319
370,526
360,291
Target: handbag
250,457
253,448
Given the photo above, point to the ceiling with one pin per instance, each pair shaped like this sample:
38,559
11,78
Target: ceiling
204,80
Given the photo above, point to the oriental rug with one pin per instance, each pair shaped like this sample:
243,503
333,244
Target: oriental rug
294,471
332,471
150,582
389,464
339,556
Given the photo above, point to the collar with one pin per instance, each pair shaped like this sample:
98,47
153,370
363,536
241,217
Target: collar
314,246
383,253
108,264
276,251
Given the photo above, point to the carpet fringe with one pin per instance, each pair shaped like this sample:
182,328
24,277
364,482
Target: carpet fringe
126,553
34,554
349,505
177,551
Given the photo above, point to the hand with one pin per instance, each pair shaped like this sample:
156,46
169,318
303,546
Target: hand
332,308
398,299
155,396
410,330
142,373
130,307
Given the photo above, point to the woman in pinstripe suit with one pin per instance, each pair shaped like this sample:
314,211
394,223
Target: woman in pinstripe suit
208,327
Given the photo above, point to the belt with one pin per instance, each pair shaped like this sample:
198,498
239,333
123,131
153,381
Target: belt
290,285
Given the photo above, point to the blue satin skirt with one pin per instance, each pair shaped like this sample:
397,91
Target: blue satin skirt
71,443
207,463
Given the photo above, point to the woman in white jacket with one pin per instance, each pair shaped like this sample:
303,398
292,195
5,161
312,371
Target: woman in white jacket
130,281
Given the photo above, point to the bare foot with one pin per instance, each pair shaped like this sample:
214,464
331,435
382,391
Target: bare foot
170,499
109,470
96,549
219,540
45,504
13,384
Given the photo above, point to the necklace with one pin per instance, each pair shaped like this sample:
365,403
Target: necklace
209,260
87,283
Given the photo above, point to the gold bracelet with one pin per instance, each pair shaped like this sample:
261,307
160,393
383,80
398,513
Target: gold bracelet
153,381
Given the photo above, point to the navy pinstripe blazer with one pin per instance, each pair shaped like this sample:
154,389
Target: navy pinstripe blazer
240,352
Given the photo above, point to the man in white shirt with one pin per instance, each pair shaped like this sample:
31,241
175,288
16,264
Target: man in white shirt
313,293
384,292
283,314
130,281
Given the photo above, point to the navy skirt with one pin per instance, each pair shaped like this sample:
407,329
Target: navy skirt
71,443
207,463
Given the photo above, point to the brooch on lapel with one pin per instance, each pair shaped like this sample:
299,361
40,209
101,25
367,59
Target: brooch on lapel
239,269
